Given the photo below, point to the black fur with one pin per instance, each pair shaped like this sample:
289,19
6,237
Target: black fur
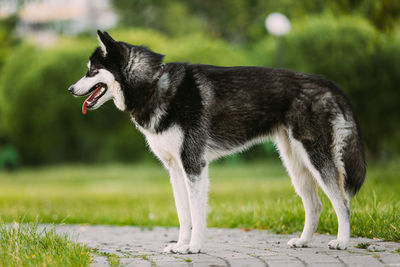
220,110
247,103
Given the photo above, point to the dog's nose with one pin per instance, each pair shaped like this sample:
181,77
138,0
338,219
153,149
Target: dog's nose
71,89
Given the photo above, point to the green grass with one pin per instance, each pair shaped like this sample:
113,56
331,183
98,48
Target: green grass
112,259
362,245
245,196
26,245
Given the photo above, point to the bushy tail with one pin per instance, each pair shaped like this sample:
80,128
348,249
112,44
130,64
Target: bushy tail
354,163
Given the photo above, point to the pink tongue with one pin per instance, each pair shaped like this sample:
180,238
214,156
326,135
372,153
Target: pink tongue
90,98
84,108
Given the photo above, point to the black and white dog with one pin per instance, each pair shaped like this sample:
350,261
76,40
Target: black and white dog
193,114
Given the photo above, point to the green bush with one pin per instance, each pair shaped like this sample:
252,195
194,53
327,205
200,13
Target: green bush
44,122
353,54
8,37
194,48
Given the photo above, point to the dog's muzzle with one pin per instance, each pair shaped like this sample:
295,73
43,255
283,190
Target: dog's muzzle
71,89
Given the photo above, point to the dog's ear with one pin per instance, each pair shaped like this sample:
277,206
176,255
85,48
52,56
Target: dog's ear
106,42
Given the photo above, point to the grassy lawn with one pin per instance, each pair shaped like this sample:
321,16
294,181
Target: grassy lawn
26,245
247,196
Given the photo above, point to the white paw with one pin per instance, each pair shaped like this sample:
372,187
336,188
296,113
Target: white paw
171,248
188,249
297,243
338,244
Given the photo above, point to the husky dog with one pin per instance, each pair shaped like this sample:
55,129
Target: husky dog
192,114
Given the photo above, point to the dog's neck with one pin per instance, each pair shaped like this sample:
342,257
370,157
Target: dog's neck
155,84
142,113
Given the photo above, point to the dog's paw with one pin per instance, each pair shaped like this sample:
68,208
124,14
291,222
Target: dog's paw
171,248
297,243
338,244
188,249
194,249
183,249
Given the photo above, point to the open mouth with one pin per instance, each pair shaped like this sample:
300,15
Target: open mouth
96,92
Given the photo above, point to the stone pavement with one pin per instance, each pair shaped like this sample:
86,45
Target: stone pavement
226,247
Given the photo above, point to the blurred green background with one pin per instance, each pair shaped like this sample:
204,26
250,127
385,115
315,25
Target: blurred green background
354,43
50,154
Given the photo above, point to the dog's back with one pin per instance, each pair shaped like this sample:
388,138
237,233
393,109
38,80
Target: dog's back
240,106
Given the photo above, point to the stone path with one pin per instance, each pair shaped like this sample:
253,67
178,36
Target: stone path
226,247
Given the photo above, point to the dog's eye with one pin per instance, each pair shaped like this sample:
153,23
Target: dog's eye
91,72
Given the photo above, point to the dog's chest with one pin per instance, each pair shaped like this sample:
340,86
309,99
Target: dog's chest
166,145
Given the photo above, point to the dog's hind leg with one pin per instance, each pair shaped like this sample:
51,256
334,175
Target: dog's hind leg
331,181
305,186
341,204
177,179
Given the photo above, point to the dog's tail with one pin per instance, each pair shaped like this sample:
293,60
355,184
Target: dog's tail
348,144
354,162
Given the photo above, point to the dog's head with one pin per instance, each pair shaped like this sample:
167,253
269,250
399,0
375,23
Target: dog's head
118,71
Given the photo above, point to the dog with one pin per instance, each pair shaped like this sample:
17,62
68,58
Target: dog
192,114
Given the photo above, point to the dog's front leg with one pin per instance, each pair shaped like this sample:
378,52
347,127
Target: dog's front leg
179,189
197,186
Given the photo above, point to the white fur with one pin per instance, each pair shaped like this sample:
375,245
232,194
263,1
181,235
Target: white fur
197,193
177,179
163,84
334,192
341,131
190,194
155,119
114,91
213,153
118,96
102,46
166,145
304,185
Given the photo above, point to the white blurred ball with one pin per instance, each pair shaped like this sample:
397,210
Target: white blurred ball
277,24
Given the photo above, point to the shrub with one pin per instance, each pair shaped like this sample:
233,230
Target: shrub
43,121
353,54
40,117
